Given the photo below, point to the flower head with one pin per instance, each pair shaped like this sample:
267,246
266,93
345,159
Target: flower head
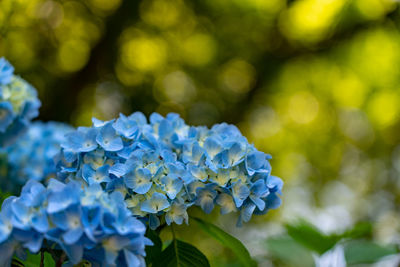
164,166
85,223
32,157
18,104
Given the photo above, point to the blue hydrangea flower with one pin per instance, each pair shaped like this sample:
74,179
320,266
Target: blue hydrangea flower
139,180
157,202
206,197
86,223
6,71
18,104
32,157
163,166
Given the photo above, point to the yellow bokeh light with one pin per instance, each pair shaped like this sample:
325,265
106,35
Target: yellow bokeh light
350,91
310,20
270,6
374,9
127,76
384,108
21,19
50,11
161,13
238,76
19,50
199,49
105,5
375,55
264,122
73,55
303,107
145,54
175,87
76,24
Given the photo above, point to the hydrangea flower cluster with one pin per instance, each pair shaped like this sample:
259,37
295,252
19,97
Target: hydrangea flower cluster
18,104
85,223
32,157
165,166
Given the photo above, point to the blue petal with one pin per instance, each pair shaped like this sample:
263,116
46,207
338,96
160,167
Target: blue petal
139,181
138,117
240,192
40,222
246,212
212,146
172,186
131,259
258,201
87,172
98,123
6,115
198,172
60,220
259,188
205,199
165,129
5,228
7,251
154,222
72,236
255,161
275,184
226,202
74,253
35,243
156,203
126,127
58,201
236,154
155,118
127,151
111,257
73,141
118,169
6,71
108,139
222,159
100,176
273,202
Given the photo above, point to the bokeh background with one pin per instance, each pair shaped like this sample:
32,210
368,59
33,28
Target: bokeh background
314,83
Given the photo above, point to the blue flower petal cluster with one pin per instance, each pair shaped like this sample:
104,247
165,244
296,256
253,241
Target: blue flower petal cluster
164,166
85,223
32,157
18,104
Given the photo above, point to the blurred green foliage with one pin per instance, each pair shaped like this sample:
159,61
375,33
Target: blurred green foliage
313,82
305,242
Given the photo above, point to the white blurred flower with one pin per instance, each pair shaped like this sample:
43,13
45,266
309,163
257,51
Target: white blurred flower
331,258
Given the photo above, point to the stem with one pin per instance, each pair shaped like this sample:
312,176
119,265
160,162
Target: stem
60,260
173,231
42,258
175,244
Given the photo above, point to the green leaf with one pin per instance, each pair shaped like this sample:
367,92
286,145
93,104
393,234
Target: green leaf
153,252
310,237
181,254
289,252
229,241
33,260
16,263
360,230
362,252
